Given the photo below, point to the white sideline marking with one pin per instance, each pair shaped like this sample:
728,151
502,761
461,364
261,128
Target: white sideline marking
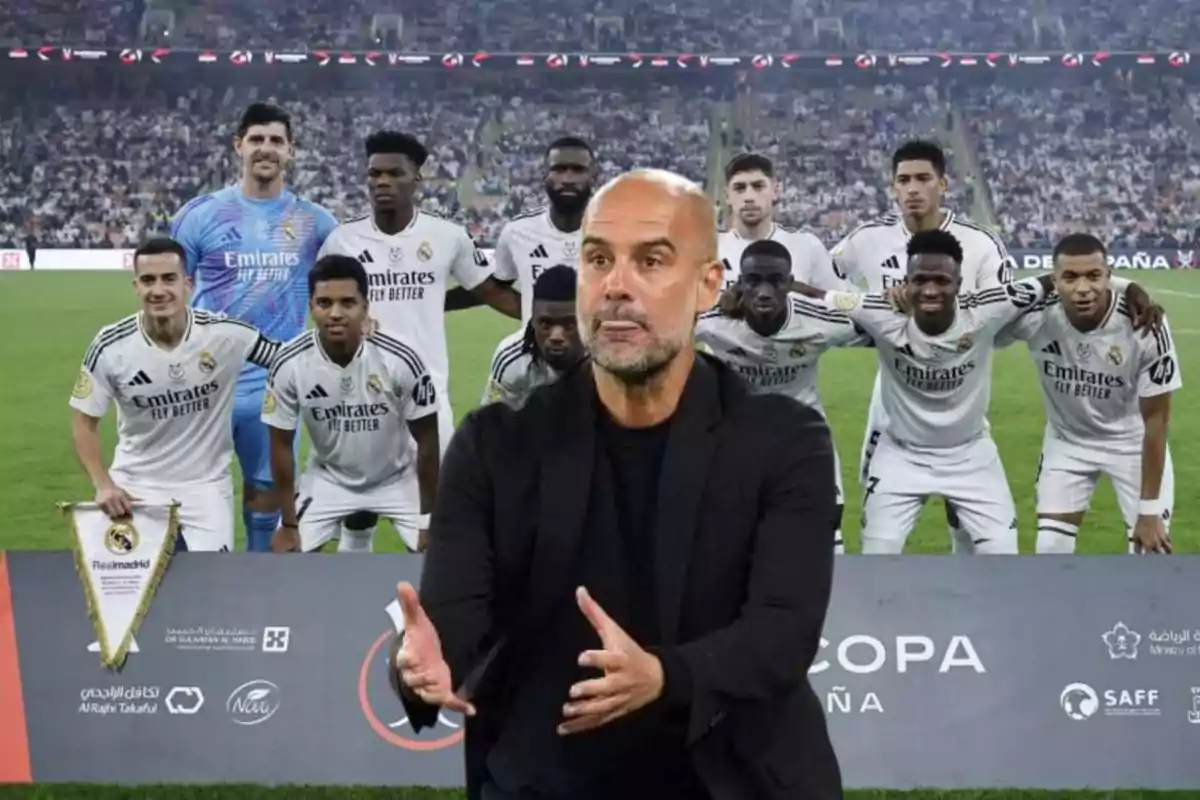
1190,295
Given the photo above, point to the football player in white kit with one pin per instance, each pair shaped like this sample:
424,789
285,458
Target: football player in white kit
172,372
1107,390
531,243
873,256
546,347
752,192
774,340
365,401
936,385
410,256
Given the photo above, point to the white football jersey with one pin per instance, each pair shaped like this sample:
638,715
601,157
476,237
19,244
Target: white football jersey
528,245
174,408
515,373
357,416
874,255
811,262
1092,380
936,389
408,274
785,363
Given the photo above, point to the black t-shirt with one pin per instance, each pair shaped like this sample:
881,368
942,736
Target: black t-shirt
638,756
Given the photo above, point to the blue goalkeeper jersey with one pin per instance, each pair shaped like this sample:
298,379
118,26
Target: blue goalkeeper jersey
250,259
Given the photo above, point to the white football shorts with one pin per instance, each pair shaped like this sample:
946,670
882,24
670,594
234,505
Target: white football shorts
971,479
321,505
1067,476
205,511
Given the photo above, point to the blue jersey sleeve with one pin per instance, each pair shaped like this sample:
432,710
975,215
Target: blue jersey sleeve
187,228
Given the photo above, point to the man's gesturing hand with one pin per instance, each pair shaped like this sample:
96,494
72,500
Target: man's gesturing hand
420,663
632,677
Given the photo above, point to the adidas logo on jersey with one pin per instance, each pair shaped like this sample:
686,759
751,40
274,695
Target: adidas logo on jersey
365,257
539,252
1053,349
141,379
317,393
232,236
891,263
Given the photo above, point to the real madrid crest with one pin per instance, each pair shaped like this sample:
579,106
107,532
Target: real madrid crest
207,362
347,383
121,538
425,251
798,350
177,373
964,343
374,384
288,230
1115,356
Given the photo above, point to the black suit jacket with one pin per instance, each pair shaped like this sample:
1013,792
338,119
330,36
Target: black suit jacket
745,530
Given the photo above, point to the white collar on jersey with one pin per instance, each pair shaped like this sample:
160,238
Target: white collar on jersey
187,330
321,349
412,223
770,233
947,219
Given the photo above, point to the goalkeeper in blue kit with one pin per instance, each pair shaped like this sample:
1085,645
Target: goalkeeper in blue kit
249,249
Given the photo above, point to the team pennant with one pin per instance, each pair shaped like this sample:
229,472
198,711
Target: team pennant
120,564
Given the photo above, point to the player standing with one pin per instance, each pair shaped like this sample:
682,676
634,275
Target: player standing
532,242
360,397
410,256
936,385
873,256
1107,390
546,347
249,249
173,374
777,340
752,192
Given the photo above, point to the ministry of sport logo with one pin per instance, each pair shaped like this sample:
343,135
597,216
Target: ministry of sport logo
1122,642
382,708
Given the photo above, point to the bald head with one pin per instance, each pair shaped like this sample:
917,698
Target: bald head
659,192
648,265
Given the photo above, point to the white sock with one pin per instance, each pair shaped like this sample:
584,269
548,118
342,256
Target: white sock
356,541
839,544
1056,536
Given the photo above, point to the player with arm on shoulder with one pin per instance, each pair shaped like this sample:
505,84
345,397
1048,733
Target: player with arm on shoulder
360,397
936,385
249,249
172,373
752,192
529,243
873,256
775,340
1107,389
547,346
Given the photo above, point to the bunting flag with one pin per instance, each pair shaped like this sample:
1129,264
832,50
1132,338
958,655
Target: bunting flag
120,563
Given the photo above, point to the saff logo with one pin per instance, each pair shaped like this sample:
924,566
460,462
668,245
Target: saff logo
375,691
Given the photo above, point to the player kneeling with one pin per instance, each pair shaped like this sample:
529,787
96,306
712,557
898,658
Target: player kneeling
172,372
360,396
1107,389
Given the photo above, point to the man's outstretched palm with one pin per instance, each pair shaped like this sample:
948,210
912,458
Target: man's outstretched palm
422,667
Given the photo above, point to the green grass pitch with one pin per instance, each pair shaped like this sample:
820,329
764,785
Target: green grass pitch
48,319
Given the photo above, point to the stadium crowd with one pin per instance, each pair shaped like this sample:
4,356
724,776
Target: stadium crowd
85,166
615,25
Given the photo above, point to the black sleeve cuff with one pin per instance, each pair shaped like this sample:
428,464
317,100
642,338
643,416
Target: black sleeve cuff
677,678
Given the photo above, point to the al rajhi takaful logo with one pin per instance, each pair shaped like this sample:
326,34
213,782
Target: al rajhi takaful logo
383,710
